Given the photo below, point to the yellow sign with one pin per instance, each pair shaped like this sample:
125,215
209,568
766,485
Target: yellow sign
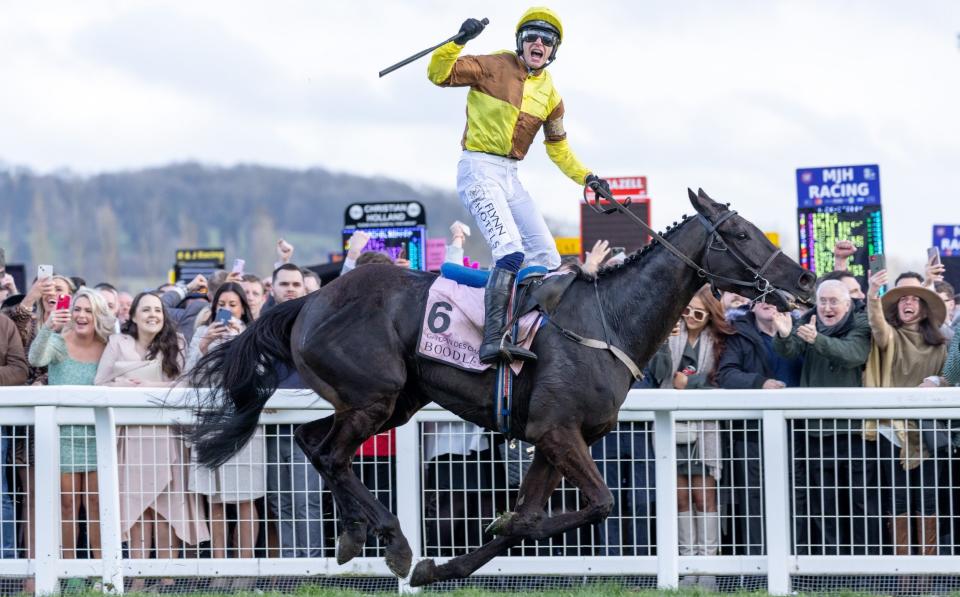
568,245
218,255
773,237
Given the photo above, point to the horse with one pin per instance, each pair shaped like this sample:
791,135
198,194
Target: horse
354,342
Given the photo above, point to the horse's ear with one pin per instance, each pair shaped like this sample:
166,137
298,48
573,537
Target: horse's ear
702,203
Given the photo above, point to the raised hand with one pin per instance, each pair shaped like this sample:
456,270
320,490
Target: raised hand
808,331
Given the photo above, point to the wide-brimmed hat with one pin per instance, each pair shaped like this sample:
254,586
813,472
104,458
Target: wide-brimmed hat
936,308
12,301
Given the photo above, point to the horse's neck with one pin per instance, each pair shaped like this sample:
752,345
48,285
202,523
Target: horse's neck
645,300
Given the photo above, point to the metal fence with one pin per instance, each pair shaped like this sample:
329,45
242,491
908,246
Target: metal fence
782,490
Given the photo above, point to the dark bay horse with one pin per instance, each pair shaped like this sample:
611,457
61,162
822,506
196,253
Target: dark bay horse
354,343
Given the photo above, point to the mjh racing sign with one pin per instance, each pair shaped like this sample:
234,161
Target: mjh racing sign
838,185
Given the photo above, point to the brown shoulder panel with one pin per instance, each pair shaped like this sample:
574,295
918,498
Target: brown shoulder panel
503,78
523,134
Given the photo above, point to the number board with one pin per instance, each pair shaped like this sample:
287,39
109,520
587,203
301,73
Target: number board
821,227
191,262
617,228
409,243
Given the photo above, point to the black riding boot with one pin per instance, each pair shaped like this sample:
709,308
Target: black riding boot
495,300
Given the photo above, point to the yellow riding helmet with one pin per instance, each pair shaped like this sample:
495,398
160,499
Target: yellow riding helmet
541,13
540,16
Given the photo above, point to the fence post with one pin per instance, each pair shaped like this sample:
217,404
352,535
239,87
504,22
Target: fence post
668,554
108,480
46,523
776,487
409,508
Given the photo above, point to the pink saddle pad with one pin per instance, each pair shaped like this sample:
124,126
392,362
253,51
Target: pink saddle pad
452,329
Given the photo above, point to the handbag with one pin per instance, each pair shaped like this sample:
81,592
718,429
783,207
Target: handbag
687,433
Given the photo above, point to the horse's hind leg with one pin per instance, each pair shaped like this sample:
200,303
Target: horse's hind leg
353,537
539,482
333,457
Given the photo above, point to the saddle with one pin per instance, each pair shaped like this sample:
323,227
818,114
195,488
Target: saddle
537,289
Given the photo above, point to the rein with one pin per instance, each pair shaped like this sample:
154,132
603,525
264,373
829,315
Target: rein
715,242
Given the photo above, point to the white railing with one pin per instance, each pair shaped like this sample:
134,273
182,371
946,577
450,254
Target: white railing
44,409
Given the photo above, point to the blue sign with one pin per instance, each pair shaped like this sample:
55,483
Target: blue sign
947,239
838,185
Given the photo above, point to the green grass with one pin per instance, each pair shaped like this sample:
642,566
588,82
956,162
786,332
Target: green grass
587,591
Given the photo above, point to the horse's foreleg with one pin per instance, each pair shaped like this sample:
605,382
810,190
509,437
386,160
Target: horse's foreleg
568,452
539,482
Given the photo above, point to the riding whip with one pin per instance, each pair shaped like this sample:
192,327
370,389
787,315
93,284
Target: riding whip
423,53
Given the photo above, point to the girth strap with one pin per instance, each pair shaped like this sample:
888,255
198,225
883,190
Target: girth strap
591,343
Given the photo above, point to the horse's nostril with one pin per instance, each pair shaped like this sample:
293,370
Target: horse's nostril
807,280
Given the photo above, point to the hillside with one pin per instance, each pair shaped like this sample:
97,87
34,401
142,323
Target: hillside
125,226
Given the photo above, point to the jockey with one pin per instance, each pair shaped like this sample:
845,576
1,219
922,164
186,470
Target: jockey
511,96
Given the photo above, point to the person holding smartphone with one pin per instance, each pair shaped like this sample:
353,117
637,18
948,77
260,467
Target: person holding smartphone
240,480
70,344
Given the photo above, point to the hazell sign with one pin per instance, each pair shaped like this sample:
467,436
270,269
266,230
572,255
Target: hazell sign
623,187
620,230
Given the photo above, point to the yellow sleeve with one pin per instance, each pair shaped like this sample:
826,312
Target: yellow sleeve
561,155
448,69
555,138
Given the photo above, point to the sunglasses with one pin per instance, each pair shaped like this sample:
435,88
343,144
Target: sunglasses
696,314
529,36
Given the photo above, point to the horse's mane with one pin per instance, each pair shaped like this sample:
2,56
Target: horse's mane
607,270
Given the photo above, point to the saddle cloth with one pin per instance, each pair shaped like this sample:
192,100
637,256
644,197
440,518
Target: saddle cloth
452,328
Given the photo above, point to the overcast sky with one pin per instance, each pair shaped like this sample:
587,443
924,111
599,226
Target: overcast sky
728,96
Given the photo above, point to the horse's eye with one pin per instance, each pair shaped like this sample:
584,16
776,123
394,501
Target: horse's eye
742,236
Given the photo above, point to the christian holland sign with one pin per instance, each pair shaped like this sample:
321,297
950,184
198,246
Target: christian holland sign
838,185
397,214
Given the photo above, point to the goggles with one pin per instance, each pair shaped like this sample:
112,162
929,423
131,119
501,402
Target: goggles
696,314
530,35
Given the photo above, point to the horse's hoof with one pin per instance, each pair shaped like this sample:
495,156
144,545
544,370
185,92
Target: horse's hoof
351,542
398,557
424,573
499,526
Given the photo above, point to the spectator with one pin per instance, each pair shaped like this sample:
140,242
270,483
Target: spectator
240,480
287,283
750,362
311,280
850,281
185,303
834,341
152,458
255,292
124,300
946,292
688,360
33,311
355,245
293,485
8,287
70,343
595,257
112,298
908,279
734,305
951,369
13,372
907,349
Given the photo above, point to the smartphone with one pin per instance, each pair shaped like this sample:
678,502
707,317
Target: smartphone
877,262
933,255
44,271
617,250
63,302
238,266
224,316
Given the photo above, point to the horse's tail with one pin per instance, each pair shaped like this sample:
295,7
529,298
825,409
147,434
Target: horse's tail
235,380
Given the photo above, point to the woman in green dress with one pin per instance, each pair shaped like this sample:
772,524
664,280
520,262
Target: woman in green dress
70,344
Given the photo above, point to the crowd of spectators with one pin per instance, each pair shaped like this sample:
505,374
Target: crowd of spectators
62,331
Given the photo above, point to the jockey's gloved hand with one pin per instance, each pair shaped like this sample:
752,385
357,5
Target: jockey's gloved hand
469,30
596,184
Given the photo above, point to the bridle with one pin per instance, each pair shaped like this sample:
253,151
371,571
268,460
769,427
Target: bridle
715,243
